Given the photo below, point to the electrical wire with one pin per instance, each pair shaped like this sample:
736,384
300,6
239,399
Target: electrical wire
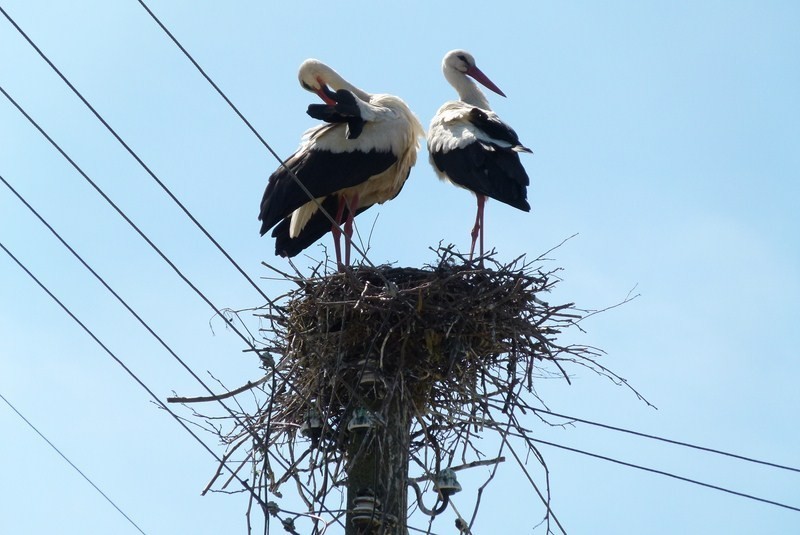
136,378
139,160
230,324
121,300
668,474
152,245
254,435
670,441
127,219
92,483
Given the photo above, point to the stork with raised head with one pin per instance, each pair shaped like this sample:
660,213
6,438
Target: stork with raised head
471,147
362,157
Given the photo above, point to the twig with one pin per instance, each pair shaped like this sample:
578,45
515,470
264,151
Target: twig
202,399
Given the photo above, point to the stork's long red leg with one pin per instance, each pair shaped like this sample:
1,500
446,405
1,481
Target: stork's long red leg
475,230
478,228
337,233
352,205
481,204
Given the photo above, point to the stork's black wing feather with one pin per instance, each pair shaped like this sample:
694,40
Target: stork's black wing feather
487,169
315,228
344,111
495,128
322,172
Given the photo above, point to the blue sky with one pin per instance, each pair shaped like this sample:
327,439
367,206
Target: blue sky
665,134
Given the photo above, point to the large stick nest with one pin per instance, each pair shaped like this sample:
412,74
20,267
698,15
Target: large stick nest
462,347
458,338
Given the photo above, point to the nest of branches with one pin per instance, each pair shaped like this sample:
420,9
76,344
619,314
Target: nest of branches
454,337
451,351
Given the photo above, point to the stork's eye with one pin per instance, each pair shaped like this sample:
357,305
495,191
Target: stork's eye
306,86
463,58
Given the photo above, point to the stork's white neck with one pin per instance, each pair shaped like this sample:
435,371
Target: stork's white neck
466,88
337,82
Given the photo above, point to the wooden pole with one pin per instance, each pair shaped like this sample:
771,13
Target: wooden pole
377,466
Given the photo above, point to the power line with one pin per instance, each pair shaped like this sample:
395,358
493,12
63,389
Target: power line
126,218
668,474
122,214
118,210
129,371
670,441
249,125
138,160
113,205
103,494
125,304
119,298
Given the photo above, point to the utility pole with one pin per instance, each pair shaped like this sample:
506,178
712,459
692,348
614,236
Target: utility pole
377,463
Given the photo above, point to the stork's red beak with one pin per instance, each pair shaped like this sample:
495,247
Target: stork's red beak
476,73
325,93
328,100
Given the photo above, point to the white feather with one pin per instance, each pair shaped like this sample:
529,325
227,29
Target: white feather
451,128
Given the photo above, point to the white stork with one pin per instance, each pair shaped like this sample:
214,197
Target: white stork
363,157
471,147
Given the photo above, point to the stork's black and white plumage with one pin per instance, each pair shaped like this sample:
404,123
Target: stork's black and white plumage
361,158
471,147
